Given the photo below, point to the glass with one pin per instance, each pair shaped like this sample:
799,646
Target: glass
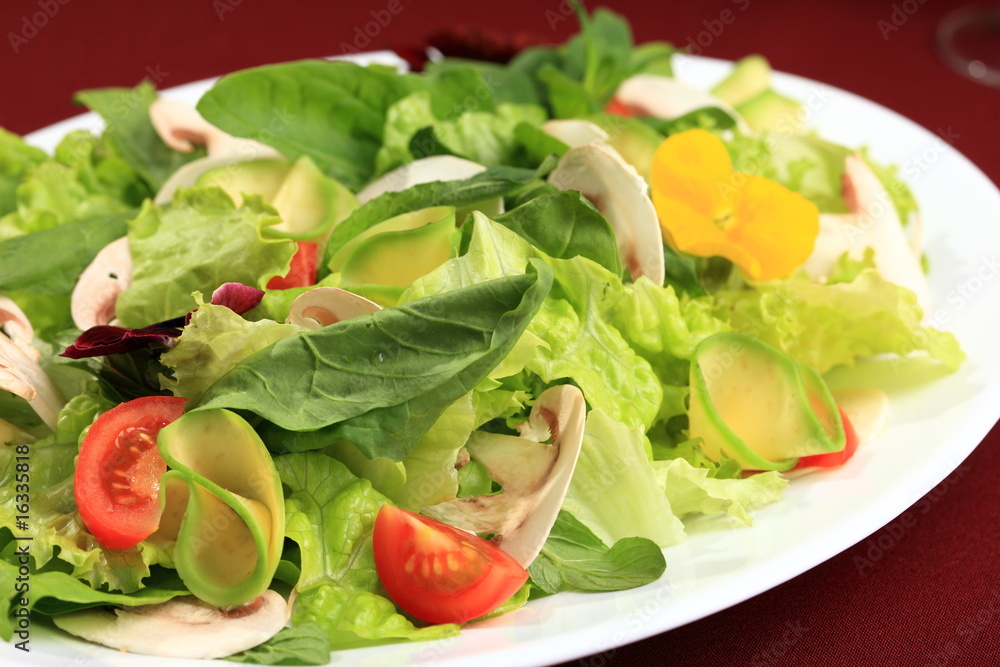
968,41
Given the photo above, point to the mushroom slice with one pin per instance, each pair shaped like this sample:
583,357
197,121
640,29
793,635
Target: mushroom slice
425,170
873,222
20,373
534,476
16,323
323,306
184,627
180,126
663,97
108,275
575,133
617,190
868,410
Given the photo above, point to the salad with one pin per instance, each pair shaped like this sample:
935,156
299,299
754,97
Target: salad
274,367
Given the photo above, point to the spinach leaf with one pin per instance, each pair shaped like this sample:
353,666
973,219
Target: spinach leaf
50,261
306,644
131,134
334,112
574,558
382,380
565,225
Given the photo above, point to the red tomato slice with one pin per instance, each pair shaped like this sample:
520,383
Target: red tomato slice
117,478
301,272
834,459
618,108
438,573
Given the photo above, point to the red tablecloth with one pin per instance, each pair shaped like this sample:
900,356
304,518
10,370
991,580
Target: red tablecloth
931,599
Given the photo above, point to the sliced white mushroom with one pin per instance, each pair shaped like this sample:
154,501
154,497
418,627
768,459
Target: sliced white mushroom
15,323
617,190
534,476
575,133
93,300
20,372
425,170
184,627
663,97
180,126
867,409
323,306
874,223
188,175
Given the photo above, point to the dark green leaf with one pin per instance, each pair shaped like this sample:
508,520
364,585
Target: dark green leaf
306,644
574,558
682,272
131,133
50,261
565,225
382,380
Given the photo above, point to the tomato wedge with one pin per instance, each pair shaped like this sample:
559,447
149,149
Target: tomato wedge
834,459
301,272
117,478
618,108
438,573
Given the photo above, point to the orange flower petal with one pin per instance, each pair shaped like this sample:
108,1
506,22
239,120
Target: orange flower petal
707,209
694,167
775,225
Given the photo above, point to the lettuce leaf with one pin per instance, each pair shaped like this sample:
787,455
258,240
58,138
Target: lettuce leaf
692,490
55,525
612,479
197,243
211,344
829,325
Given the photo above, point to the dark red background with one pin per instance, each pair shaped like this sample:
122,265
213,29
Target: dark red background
933,598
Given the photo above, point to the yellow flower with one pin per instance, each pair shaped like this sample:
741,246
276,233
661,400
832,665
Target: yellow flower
707,209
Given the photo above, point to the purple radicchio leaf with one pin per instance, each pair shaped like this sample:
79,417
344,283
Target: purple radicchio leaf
106,339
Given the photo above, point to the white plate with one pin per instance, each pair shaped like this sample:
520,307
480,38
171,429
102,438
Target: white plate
723,563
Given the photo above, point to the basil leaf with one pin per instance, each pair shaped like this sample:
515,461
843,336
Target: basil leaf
50,261
574,558
382,380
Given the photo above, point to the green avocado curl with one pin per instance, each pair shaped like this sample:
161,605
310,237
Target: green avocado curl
222,504
753,403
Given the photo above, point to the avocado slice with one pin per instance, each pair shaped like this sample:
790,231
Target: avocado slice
635,141
749,77
223,505
398,258
257,177
772,112
400,223
753,403
309,203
